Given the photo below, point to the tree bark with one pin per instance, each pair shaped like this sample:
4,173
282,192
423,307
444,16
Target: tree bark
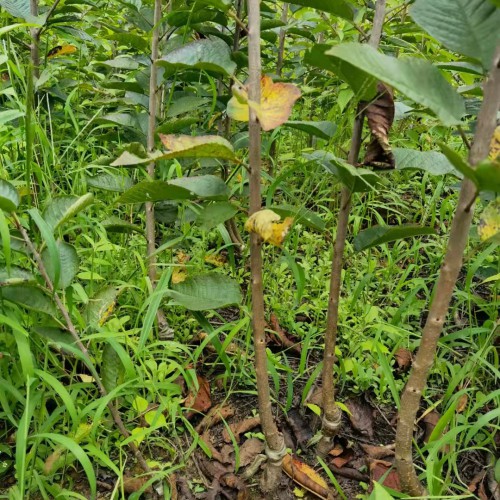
332,415
452,263
275,445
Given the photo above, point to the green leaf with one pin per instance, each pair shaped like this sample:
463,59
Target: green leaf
216,213
111,368
182,146
379,493
378,235
9,115
100,306
489,222
301,215
63,208
222,5
206,291
470,27
429,161
488,175
69,264
175,126
9,197
62,339
459,163
110,182
31,297
361,66
15,276
323,130
336,7
19,8
206,54
358,180
114,224
186,188
186,105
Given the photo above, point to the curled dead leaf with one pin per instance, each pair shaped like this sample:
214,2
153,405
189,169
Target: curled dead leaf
403,358
240,427
276,102
266,224
377,452
214,416
249,450
381,468
306,477
380,116
199,401
361,416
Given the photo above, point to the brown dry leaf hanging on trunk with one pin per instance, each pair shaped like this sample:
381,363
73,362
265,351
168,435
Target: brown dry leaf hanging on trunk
380,115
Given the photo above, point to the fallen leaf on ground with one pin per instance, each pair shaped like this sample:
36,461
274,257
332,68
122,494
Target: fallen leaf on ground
249,450
134,484
380,115
172,481
378,468
282,336
337,450
200,401
476,480
240,427
377,452
344,458
315,397
216,259
276,102
403,358
265,224
299,426
214,416
306,477
206,437
361,416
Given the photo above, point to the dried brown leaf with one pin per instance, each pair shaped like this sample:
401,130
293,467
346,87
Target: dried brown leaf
200,401
240,427
378,468
300,428
133,484
282,336
249,450
377,452
214,416
343,459
403,358
306,477
430,421
380,116
361,416
462,403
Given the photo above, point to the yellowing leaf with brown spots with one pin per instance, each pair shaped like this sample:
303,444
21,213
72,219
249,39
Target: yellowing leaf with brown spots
305,476
216,259
489,223
276,102
266,224
61,50
495,145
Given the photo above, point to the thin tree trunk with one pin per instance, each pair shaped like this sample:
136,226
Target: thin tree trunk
275,445
165,330
281,45
452,263
332,416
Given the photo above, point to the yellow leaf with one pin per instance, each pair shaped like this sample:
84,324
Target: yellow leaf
299,493
495,145
489,223
138,432
216,259
265,224
61,50
305,476
276,102
179,275
86,379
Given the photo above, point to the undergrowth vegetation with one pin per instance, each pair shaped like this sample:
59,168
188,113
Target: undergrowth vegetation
123,326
